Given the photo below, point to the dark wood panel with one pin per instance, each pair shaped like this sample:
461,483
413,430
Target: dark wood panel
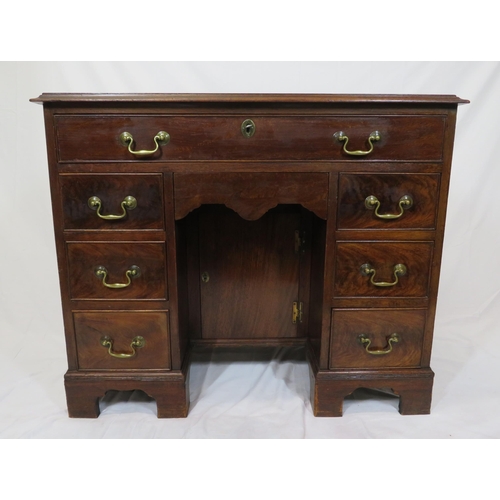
249,166
170,390
388,189
382,256
253,274
176,272
234,99
413,386
112,190
122,328
251,195
377,325
396,302
316,239
386,235
117,258
202,137
117,235
121,305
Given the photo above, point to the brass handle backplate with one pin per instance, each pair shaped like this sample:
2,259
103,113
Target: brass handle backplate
137,342
374,136
368,269
364,340
160,139
129,203
405,202
102,273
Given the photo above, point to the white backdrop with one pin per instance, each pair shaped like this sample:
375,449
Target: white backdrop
256,398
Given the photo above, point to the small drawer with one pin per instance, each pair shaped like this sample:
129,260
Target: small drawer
122,340
108,202
388,201
83,138
117,271
382,269
376,338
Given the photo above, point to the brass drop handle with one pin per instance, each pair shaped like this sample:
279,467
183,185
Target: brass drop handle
129,203
364,340
137,342
405,202
160,139
374,136
102,273
367,270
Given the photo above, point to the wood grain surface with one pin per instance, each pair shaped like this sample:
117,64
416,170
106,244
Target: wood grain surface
117,258
388,189
382,256
112,190
202,137
122,328
251,195
254,274
377,324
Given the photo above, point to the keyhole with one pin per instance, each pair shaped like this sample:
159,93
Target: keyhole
205,277
248,128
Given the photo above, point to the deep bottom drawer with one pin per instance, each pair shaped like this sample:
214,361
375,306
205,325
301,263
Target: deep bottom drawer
122,340
376,338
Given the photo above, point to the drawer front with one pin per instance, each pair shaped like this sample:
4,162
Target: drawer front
388,201
376,338
251,194
124,201
372,269
122,340
220,137
120,261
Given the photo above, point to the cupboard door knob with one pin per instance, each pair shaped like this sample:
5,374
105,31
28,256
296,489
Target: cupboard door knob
160,139
364,340
129,203
137,342
102,273
367,270
373,137
405,202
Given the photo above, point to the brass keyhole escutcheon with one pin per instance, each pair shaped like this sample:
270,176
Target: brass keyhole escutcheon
248,128
205,277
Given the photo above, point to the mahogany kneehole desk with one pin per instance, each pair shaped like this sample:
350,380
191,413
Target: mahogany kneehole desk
249,220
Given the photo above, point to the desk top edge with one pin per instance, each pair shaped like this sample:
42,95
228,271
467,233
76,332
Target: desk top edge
250,98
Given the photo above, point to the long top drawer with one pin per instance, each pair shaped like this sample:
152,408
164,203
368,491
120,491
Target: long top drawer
192,137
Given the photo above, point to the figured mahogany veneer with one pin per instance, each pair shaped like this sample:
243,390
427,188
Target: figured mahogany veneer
251,195
117,258
147,190
251,226
388,189
382,256
377,325
122,328
260,262
203,137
